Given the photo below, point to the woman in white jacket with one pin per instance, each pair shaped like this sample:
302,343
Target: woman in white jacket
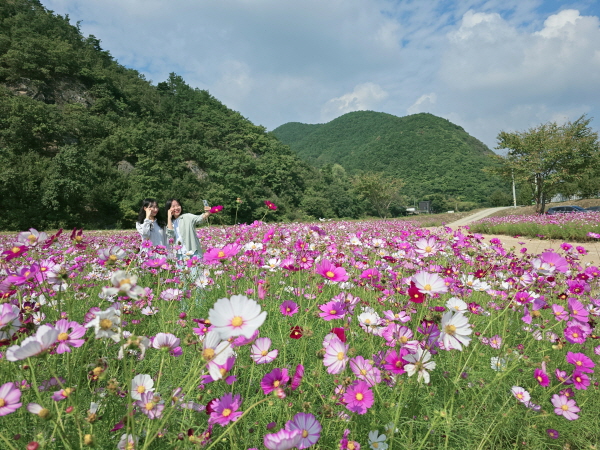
150,224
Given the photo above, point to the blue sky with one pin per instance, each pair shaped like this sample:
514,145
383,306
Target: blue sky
488,66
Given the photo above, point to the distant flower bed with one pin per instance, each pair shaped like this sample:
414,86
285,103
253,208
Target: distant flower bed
341,335
574,227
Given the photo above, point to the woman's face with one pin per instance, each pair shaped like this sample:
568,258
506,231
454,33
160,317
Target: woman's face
175,208
153,207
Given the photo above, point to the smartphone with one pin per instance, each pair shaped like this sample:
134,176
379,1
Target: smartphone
205,202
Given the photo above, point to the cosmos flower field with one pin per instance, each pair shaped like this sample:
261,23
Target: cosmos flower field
347,335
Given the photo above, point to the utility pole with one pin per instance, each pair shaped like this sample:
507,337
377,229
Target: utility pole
514,192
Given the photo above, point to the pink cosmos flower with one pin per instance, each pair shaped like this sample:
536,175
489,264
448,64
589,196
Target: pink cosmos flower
332,310
225,410
335,355
365,371
216,255
329,271
62,394
555,260
277,378
309,427
565,407
559,312
297,378
521,394
358,397
370,274
577,310
67,340
167,341
426,246
429,283
9,398
574,335
283,439
9,321
150,405
216,209
581,362
272,206
288,308
394,362
260,353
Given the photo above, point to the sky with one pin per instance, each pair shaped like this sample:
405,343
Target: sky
486,65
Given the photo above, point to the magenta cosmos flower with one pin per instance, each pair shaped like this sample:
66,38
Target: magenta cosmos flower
277,378
541,377
565,407
330,271
225,410
216,255
309,427
358,397
288,308
9,398
260,353
581,362
236,316
332,310
150,405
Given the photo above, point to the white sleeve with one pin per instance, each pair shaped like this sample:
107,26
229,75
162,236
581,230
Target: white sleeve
144,228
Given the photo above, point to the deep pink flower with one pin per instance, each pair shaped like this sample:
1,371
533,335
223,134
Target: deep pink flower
541,377
216,255
565,407
297,378
358,397
581,362
216,209
277,378
340,333
9,398
574,335
271,205
329,271
332,310
370,274
288,308
580,380
225,409
394,362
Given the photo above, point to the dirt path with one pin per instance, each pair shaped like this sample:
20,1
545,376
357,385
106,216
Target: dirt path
533,246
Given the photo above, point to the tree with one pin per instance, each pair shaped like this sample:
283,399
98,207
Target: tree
549,157
379,190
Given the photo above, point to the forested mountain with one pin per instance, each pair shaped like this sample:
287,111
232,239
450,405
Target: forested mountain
83,140
430,154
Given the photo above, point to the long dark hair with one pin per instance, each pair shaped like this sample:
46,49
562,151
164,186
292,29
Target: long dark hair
170,201
142,214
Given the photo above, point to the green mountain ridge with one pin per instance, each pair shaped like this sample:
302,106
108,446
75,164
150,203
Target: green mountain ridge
430,154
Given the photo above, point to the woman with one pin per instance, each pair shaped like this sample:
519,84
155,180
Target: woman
182,227
150,223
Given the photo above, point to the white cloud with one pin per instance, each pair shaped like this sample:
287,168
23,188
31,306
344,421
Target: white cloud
365,96
486,65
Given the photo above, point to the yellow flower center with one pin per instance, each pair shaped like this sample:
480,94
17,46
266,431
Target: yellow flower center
141,389
276,383
66,392
31,238
340,356
333,311
149,406
450,329
15,249
329,274
363,372
2,402
359,396
519,396
579,363
208,354
237,321
367,321
404,339
124,281
575,335
427,287
428,249
44,413
63,336
106,324
564,407
226,412
304,433
112,258
264,353
221,254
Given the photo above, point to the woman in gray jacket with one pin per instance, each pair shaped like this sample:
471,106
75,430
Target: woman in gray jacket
182,227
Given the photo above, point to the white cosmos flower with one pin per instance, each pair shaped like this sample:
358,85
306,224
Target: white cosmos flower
421,363
123,283
44,338
456,304
216,352
455,330
107,324
238,316
498,364
377,441
140,384
9,320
